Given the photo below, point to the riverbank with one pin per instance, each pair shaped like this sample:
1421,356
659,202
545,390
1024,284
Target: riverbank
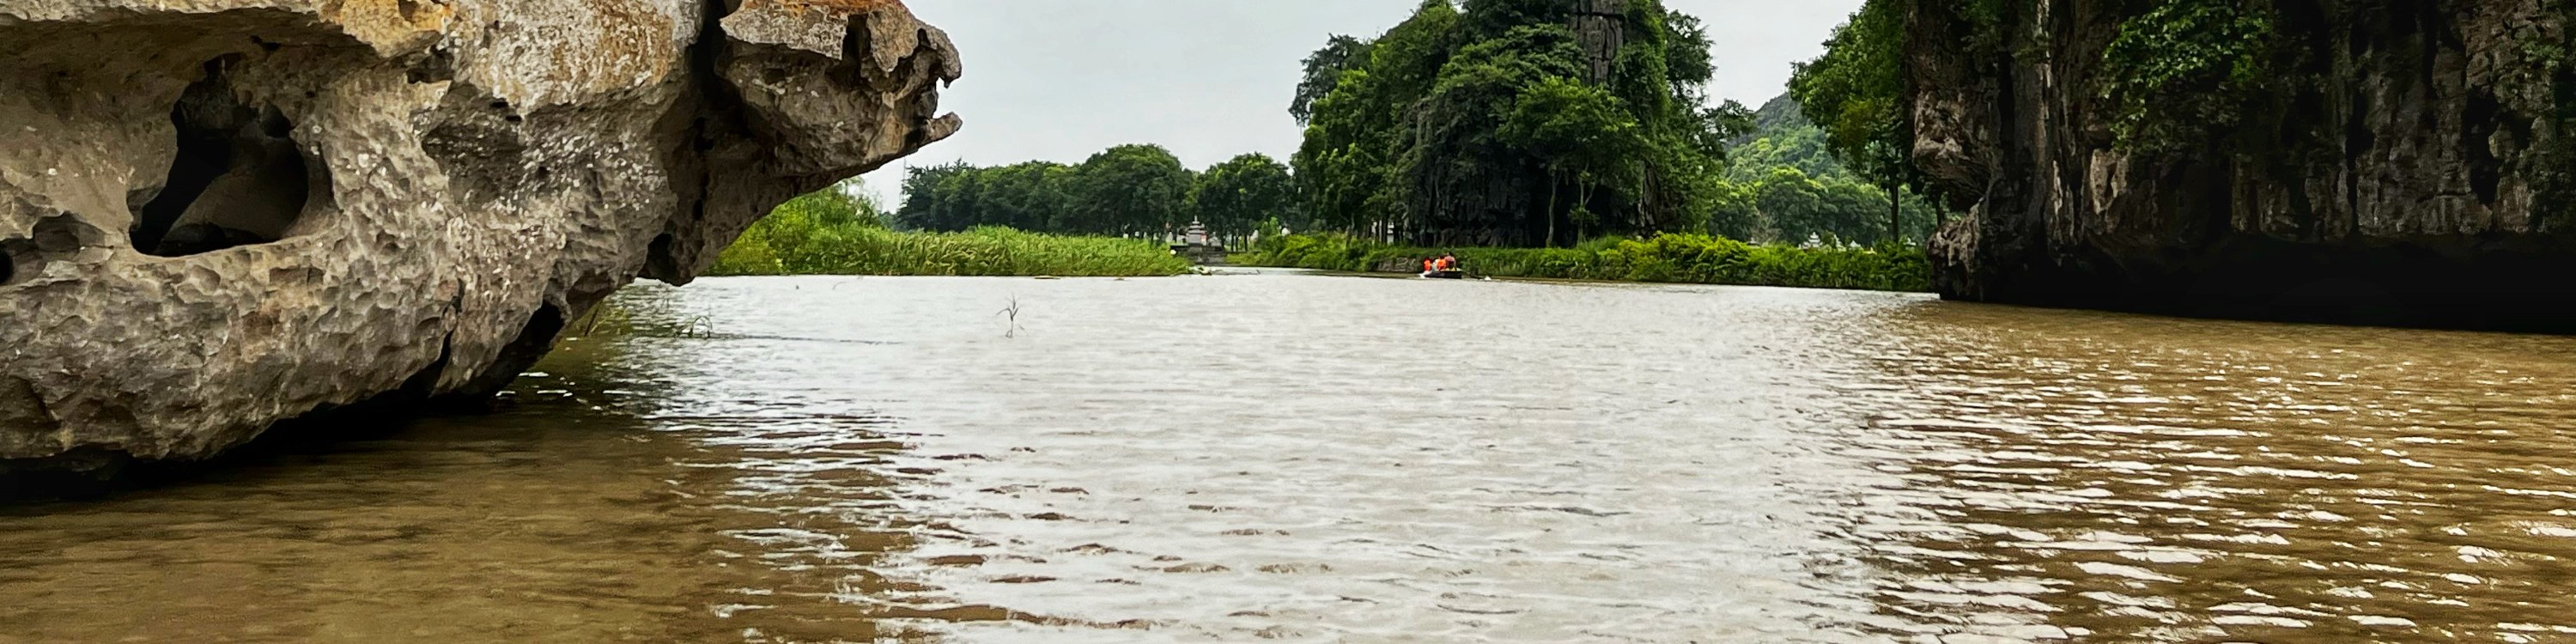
1693,259
801,248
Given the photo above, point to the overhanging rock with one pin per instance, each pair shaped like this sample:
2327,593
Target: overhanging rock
222,214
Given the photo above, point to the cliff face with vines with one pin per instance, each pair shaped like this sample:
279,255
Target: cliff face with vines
2329,160
221,214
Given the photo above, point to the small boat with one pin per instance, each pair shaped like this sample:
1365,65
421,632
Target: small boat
1444,275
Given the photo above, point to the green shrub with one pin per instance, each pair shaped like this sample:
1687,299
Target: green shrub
1676,258
794,241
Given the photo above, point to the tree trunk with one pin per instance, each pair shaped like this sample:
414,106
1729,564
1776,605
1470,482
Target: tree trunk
1583,199
1895,216
1552,181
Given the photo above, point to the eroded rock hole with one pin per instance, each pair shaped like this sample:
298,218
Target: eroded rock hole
54,238
239,177
858,50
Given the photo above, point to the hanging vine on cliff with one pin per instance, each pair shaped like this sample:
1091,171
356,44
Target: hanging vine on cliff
2184,72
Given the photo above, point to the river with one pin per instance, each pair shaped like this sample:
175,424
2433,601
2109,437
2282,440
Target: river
1316,458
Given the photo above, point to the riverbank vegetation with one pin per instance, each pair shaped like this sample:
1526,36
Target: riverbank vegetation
1669,257
1496,123
1125,191
838,232
1515,123
1784,182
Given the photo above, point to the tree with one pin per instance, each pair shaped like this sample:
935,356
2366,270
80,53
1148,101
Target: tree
1855,92
1466,180
1240,196
1578,132
1349,166
924,201
1413,143
1850,207
1793,203
1324,73
1131,190
1028,196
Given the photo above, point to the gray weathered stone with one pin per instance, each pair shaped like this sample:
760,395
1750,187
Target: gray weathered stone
2407,164
219,214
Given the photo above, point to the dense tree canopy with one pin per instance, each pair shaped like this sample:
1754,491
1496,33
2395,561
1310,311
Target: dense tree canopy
1324,72
1856,94
1129,190
1509,123
1245,195
1485,123
1782,183
1033,196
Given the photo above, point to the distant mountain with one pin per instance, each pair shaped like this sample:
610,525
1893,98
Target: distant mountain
1781,136
1780,113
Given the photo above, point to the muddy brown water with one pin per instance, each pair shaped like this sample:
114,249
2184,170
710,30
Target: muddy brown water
1310,458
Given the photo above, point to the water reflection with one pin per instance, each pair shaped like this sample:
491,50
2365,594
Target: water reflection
1329,459
595,507
2140,479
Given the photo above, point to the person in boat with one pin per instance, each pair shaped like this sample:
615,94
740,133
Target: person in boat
1445,265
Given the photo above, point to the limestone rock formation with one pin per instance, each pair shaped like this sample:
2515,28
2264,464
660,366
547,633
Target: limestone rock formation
2402,163
216,215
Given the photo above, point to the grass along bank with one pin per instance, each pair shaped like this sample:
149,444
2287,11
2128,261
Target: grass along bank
1693,259
833,232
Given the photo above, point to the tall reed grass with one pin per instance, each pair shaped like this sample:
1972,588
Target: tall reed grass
792,247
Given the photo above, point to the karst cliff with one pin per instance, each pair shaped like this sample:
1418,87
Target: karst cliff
217,215
2402,163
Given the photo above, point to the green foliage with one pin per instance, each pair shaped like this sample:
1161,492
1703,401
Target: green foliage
1483,122
1244,196
1324,72
1350,165
1028,196
1486,19
1126,190
1129,190
837,231
1579,131
1782,183
1669,257
1989,23
1782,137
1854,94
2183,71
792,225
789,243
2554,159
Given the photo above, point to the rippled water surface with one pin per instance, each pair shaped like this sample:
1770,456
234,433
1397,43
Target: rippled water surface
1318,458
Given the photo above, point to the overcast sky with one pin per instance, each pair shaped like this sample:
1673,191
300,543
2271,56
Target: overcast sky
1058,80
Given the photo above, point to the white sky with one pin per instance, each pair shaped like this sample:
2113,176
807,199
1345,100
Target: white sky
1058,80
